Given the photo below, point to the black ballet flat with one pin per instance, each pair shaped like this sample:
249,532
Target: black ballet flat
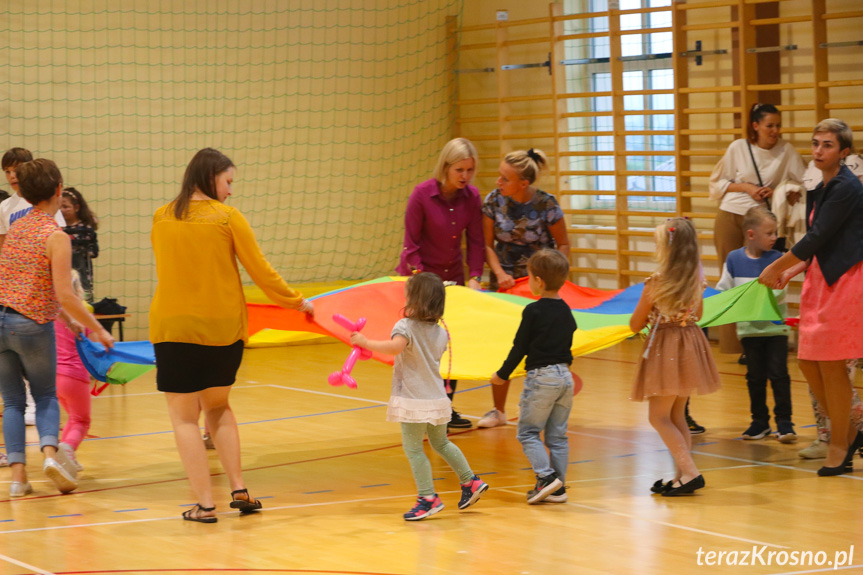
852,449
834,471
660,486
687,488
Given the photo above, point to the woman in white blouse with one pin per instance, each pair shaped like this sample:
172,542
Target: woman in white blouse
745,177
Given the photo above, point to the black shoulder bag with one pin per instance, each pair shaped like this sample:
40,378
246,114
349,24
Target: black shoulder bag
780,242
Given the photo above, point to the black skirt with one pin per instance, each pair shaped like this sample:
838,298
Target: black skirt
189,367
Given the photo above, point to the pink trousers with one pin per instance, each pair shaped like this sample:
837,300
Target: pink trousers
74,396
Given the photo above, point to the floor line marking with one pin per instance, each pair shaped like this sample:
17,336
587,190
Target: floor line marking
409,496
665,523
24,565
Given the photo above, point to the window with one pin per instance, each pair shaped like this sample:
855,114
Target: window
647,65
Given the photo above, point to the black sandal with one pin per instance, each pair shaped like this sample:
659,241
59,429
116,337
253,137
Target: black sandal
193,514
247,505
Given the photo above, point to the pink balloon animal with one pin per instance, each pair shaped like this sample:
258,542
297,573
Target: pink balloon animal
344,377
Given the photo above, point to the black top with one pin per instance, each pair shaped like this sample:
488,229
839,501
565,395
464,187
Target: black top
836,234
544,336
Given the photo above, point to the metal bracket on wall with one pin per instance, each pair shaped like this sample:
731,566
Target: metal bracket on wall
840,44
771,49
546,64
698,53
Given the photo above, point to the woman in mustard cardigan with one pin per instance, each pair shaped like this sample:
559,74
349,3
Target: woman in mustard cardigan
198,320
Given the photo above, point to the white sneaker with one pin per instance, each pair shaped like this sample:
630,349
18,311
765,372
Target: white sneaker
818,450
62,479
69,452
18,489
493,418
30,409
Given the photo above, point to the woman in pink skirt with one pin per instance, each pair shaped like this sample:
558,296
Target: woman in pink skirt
831,304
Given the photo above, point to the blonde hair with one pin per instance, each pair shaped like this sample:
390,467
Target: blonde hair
843,132
454,152
678,282
528,165
754,216
76,285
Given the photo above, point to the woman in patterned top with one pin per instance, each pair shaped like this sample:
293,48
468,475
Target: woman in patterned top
35,280
518,220
81,225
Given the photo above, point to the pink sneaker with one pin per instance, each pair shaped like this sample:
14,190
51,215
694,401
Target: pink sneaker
424,508
471,492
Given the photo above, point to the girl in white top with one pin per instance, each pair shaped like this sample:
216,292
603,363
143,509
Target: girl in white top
419,401
742,180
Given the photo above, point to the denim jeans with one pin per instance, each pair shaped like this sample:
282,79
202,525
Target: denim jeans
546,401
27,349
767,358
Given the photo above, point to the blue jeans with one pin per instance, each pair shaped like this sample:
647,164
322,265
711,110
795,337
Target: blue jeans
545,403
27,349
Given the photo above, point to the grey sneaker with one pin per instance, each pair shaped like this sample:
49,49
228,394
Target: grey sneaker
493,418
545,486
558,496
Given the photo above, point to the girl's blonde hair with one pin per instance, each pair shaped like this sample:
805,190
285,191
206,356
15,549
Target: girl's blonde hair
425,297
678,284
76,285
454,152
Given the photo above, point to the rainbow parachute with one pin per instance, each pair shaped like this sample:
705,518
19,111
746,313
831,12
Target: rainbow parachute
481,324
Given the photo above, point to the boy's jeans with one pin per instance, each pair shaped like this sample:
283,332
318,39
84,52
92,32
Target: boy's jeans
546,401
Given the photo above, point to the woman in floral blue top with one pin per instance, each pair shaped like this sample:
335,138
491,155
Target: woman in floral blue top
518,219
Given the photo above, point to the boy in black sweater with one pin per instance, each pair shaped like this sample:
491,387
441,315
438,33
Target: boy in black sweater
545,337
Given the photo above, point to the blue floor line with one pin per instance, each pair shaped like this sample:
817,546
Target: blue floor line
128,510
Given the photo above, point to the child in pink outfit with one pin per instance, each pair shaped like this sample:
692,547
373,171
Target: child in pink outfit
73,388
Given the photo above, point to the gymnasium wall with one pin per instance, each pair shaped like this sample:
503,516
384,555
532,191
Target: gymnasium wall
331,109
531,120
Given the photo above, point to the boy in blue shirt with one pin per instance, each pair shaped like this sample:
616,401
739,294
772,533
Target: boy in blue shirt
545,337
765,343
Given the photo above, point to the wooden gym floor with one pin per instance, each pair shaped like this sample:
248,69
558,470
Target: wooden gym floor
334,482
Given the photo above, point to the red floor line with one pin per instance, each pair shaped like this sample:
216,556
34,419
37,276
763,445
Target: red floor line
225,570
